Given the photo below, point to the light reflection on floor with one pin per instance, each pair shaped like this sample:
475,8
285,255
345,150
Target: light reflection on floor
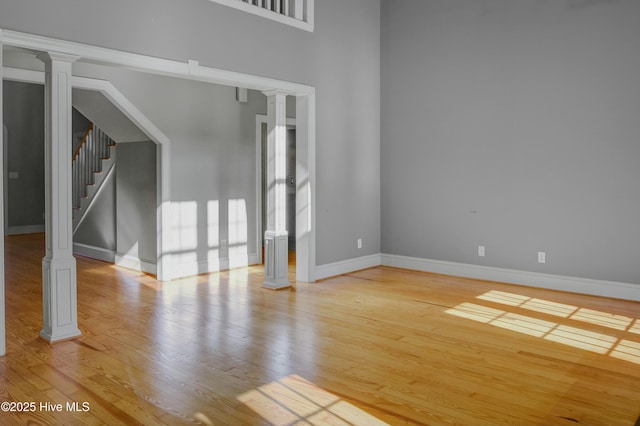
591,341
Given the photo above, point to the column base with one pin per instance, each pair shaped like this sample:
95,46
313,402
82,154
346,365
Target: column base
56,338
59,299
276,260
276,285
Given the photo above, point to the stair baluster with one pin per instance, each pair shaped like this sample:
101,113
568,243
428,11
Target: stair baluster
88,160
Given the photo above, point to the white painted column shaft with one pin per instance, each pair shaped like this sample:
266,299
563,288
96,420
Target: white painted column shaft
276,236
59,287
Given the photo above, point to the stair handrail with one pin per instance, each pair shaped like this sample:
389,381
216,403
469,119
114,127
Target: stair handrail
82,142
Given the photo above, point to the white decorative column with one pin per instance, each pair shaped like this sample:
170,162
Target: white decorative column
59,288
276,256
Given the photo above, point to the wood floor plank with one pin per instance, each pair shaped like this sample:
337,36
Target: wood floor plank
378,346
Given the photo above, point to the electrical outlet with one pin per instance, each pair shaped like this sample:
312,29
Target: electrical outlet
481,251
359,243
223,244
542,257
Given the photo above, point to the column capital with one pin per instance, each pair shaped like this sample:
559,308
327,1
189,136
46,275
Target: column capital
48,57
275,92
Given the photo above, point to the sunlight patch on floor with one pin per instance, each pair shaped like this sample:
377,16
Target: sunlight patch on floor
591,316
582,339
627,350
523,324
591,341
616,322
293,400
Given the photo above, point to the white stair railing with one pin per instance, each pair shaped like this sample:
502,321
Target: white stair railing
296,13
87,161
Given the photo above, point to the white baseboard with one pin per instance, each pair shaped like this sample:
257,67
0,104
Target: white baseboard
347,266
184,270
93,252
135,263
28,229
255,259
612,289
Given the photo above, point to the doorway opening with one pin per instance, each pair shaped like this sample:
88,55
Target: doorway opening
305,111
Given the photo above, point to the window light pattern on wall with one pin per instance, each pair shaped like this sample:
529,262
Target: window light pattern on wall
297,13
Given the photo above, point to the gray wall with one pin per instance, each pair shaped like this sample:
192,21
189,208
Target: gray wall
136,200
24,118
106,116
98,228
513,124
122,219
341,59
346,72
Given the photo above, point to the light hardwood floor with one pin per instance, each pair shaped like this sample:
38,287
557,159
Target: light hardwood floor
377,346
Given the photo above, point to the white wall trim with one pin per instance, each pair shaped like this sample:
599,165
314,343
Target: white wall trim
306,187
21,75
190,70
4,167
613,289
124,105
26,229
135,263
185,270
601,288
94,252
255,258
347,266
306,25
197,72
3,346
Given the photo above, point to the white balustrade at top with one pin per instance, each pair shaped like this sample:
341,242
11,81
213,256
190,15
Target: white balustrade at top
298,13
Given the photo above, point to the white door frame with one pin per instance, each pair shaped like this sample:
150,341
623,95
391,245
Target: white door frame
5,185
3,347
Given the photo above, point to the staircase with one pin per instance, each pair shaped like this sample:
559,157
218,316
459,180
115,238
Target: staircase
92,162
